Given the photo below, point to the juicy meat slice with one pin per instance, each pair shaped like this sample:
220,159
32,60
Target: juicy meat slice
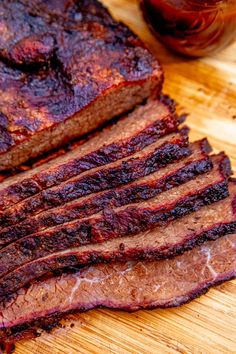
117,286
144,188
119,222
65,69
132,133
155,156
208,223
151,158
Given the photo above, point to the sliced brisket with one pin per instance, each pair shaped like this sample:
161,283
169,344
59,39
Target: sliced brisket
208,223
144,188
145,125
117,285
136,195
66,67
155,156
118,222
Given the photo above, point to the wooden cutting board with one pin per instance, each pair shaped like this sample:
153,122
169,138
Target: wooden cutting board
207,89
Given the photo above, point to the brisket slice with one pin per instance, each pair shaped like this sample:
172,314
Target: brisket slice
119,222
155,156
117,286
144,188
208,223
66,67
130,134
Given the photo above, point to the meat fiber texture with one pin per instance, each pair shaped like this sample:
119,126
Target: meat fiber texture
165,178
110,224
66,67
118,286
144,126
208,223
150,159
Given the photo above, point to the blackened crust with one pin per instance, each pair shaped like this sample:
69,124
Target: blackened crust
112,225
127,171
101,156
111,199
54,58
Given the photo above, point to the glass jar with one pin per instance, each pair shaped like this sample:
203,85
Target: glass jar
192,27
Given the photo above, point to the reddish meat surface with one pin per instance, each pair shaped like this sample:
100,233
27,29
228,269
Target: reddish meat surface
155,156
128,286
208,223
66,67
141,189
117,222
132,133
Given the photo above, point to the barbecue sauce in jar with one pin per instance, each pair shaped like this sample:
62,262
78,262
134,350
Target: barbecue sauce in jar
192,27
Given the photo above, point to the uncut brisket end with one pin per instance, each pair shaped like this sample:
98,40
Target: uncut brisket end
119,222
208,223
66,67
142,189
155,156
132,133
117,286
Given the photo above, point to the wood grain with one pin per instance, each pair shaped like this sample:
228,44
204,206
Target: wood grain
207,89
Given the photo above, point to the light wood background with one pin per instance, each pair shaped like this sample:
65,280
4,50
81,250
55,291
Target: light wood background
207,89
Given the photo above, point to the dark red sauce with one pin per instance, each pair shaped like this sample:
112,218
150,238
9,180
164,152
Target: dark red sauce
192,27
